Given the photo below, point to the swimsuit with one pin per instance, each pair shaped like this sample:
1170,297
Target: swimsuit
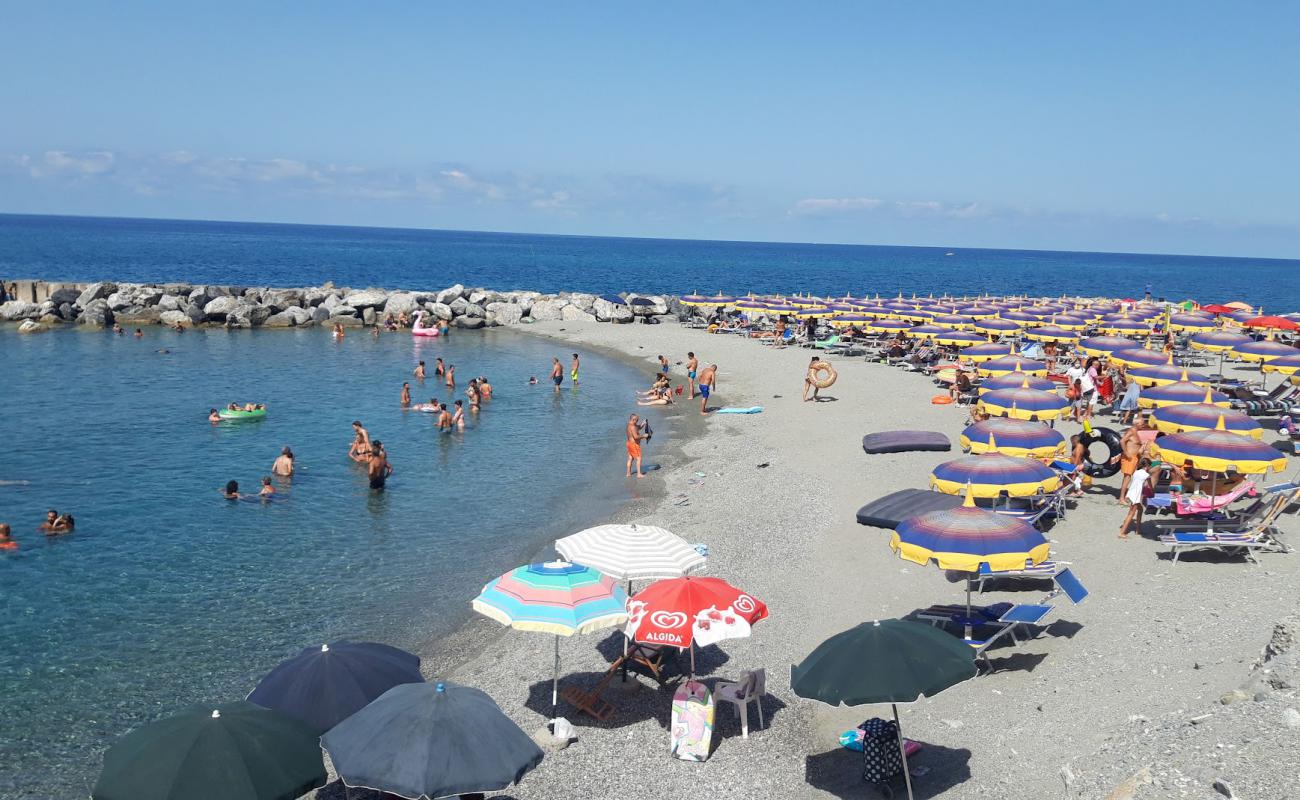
574,375
691,374
558,379
633,449
704,390
1128,464
377,482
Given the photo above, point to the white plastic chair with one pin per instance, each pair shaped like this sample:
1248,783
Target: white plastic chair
752,687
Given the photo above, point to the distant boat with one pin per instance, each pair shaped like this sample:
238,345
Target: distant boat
950,253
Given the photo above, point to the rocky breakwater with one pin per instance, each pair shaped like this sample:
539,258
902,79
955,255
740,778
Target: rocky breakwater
134,304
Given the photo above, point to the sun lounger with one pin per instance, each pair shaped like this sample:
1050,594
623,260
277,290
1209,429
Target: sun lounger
1185,505
891,509
1043,571
905,441
1229,543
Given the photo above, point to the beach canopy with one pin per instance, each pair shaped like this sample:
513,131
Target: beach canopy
679,612
1104,345
993,474
1013,437
1272,323
1165,374
1185,417
1141,357
963,538
1017,380
1191,323
1219,451
986,352
1008,364
1125,327
1051,333
960,339
1030,404
1263,351
1287,365
431,740
631,552
234,751
1181,392
1217,341
996,326
324,685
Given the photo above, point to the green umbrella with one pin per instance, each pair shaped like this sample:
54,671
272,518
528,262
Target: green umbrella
237,751
886,661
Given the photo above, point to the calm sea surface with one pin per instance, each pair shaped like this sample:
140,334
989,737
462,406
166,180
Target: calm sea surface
69,248
167,594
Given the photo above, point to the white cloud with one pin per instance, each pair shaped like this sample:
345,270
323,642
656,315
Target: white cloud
821,205
59,163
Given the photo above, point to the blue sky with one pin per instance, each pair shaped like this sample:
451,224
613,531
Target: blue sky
1151,127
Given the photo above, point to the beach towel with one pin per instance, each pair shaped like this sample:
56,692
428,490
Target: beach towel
750,410
1191,504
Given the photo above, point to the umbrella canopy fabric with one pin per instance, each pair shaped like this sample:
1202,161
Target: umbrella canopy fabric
960,339
996,326
700,300
1051,333
631,552
1287,365
322,686
431,740
1272,323
1003,366
1140,357
1185,417
1191,323
1181,392
680,612
555,597
926,331
885,661
236,751
1217,341
615,299
1219,450
1104,345
1030,404
1125,327
1263,351
964,538
889,326
1017,380
991,474
1214,308
1165,374
1013,437
986,352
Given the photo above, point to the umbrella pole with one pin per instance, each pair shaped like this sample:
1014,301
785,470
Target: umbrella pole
692,649
969,630
629,594
555,684
902,751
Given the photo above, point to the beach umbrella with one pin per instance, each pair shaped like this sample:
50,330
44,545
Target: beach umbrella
809,312
743,305
1140,357
431,740
235,751
889,326
886,661
959,339
954,321
1017,380
1104,345
1287,365
1013,437
618,301
978,312
1125,327
986,352
1272,323
993,474
1263,351
700,300
1218,309
1050,333
845,320
1185,417
925,331
631,552
1009,364
1219,451
964,538
1217,341
1029,404
682,612
1181,392
1019,317
557,597
997,327
1165,374
1191,323
1068,323
322,686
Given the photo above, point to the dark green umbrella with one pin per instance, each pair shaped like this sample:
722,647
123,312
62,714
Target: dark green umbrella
886,661
236,751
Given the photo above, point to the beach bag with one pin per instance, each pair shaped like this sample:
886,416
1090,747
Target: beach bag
881,760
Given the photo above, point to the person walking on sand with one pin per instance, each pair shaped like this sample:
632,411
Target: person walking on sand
708,381
692,366
810,381
573,369
419,371
283,465
406,393
1136,497
378,469
1131,447
557,373
634,437
663,365
360,450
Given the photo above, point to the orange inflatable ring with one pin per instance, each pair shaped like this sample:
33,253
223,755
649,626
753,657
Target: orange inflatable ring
823,374
941,399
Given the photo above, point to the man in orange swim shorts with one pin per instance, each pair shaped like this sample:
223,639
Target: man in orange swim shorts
634,437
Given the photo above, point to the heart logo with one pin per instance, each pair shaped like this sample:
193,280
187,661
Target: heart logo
668,619
744,604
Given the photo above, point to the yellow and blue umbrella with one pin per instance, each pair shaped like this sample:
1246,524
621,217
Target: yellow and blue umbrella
986,352
1030,404
954,321
1104,345
1191,323
1013,437
926,331
1125,327
997,327
1263,351
1165,374
1009,364
1140,357
1204,417
701,300
1218,451
889,326
1051,333
1181,392
1017,380
993,474
1021,317
1217,341
1069,323
959,339
1287,365
967,537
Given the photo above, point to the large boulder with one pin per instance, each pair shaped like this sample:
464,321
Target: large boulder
96,312
200,296
546,310
219,307
368,315
368,298
481,297
139,315
572,313
505,313
606,311
342,311
95,291
401,303
65,295
121,299
441,311
174,317
32,326
148,296
49,320
301,316
195,313
320,315
168,303
315,296
282,299
331,302
17,309
450,293
66,312
249,314
469,323
347,322
582,301
458,306
284,319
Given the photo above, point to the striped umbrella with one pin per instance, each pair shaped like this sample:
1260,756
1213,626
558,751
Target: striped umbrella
1263,351
1020,316
1191,323
809,312
1009,364
631,552
889,326
701,300
1104,345
1165,374
1204,417
992,474
1125,327
978,312
926,331
1218,451
986,352
1217,341
954,321
965,538
1069,323
557,597
959,339
845,320
1287,365
1029,404
1013,437
1140,357
997,327
1017,380
1051,333
1181,392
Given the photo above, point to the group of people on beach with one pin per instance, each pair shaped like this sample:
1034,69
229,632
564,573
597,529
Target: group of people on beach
698,381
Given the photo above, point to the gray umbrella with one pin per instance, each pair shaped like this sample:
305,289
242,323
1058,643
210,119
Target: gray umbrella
424,740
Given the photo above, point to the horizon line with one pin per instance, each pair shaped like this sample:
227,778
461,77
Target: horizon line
636,238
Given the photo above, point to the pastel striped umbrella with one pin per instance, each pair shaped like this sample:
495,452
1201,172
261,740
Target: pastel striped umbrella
1204,417
966,537
1287,365
997,327
1104,345
556,597
1165,374
986,352
959,339
1030,404
1139,357
992,474
631,552
1013,437
1263,351
1009,364
1181,392
1017,380
1217,341
1218,451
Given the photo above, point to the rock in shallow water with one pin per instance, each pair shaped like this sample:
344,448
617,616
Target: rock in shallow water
32,326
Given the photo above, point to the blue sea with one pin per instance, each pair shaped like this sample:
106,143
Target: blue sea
77,248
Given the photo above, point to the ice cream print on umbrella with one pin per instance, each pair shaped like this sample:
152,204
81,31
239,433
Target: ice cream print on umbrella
685,611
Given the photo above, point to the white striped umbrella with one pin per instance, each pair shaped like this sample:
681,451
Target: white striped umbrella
631,552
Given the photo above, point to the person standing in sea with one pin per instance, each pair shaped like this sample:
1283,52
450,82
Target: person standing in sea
573,370
283,465
708,382
419,371
557,373
378,468
451,376
360,449
406,393
692,366
634,437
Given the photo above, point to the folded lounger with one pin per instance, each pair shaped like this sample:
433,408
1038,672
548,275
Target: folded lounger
905,441
891,509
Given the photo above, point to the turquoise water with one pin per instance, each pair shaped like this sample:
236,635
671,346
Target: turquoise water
168,594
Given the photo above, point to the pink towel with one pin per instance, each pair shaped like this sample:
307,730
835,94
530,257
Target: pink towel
1189,504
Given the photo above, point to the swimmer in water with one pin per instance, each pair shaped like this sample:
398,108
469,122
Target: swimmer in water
439,369
557,373
375,332
267,489
51,517
6,538
231,490
139,334
532,380
471,391
283,465
213,416
179,328
444,418
451,376
419,371
360,450
406,393
485,388
458,418
378,468
117,329
573,369
64,524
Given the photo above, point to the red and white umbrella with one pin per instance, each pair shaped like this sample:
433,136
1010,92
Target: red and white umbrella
681,612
